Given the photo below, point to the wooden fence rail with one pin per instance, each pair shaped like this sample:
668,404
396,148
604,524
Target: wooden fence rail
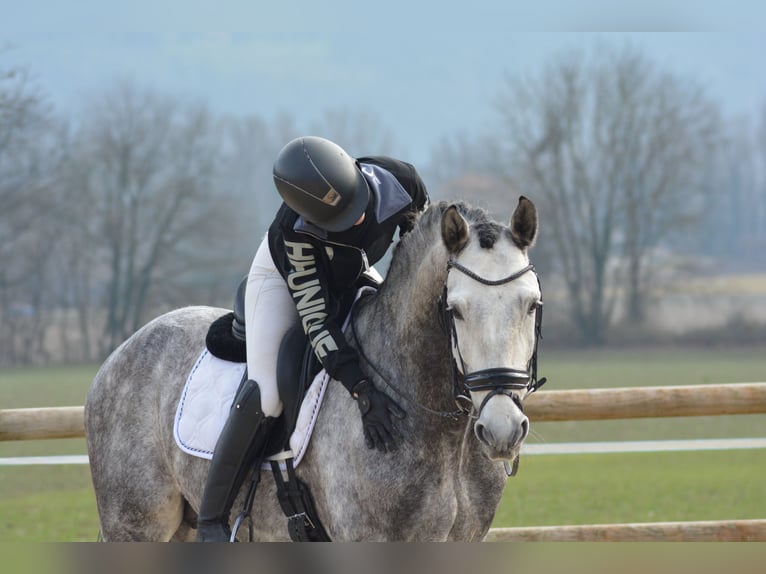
708,531
647,402
544,406
41,423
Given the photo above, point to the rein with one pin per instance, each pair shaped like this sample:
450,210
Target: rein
453,415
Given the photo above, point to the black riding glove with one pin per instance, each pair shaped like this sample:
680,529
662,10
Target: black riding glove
376,408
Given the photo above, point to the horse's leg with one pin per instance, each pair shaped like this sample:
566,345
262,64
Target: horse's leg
138,499
187,530
480,488
142,515
149,506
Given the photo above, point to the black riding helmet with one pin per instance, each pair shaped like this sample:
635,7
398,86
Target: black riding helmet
320,181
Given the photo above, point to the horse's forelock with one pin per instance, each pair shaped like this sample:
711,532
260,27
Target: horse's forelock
487,230
427,231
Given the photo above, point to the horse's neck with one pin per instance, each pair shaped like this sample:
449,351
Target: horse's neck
400,327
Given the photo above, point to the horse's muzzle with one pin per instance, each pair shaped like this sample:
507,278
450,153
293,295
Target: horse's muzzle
501,427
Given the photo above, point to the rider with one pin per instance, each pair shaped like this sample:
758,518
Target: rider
339,216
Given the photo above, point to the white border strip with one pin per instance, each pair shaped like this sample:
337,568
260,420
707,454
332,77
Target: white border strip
527,449
38,460
644,446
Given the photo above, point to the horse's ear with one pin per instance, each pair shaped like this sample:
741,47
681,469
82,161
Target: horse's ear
454,230
524,223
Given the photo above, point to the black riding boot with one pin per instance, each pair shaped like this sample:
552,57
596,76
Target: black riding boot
239,448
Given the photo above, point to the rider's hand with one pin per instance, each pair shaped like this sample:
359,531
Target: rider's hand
376,408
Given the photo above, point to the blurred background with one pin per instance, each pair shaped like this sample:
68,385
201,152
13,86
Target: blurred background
135,177
135,168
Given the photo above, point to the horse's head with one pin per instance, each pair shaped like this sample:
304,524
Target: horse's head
491,308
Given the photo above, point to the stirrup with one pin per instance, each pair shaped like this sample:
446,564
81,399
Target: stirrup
247,509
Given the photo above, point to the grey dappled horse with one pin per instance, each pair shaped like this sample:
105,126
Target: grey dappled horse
447,477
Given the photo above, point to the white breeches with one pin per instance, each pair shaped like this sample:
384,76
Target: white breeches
269,314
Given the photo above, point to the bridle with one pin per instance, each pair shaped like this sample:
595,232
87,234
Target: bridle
498,380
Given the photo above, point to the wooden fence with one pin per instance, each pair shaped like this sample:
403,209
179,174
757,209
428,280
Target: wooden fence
544,406
705,531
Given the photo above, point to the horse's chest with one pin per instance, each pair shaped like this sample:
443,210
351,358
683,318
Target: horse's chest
440,507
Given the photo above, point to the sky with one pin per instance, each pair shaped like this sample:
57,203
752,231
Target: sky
425,71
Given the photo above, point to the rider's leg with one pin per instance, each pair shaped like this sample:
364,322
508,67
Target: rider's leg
269,313
239,448
271,310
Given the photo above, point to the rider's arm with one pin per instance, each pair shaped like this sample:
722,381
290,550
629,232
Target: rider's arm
307,282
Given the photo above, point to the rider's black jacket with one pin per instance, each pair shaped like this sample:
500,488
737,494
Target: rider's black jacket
321,268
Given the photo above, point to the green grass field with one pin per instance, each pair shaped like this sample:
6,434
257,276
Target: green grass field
55,503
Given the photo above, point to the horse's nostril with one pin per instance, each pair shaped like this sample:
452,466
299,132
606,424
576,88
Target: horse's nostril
524,428
481,433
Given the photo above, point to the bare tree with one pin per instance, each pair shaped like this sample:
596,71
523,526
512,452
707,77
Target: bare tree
28,157
147,173
737,218
669,135
459,169
614,147
358,131
757,204
22,119
735,208
251,146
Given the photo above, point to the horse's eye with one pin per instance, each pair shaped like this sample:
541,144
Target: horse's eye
534,307
456,313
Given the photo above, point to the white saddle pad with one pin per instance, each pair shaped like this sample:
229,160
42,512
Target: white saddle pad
209,394
207,398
